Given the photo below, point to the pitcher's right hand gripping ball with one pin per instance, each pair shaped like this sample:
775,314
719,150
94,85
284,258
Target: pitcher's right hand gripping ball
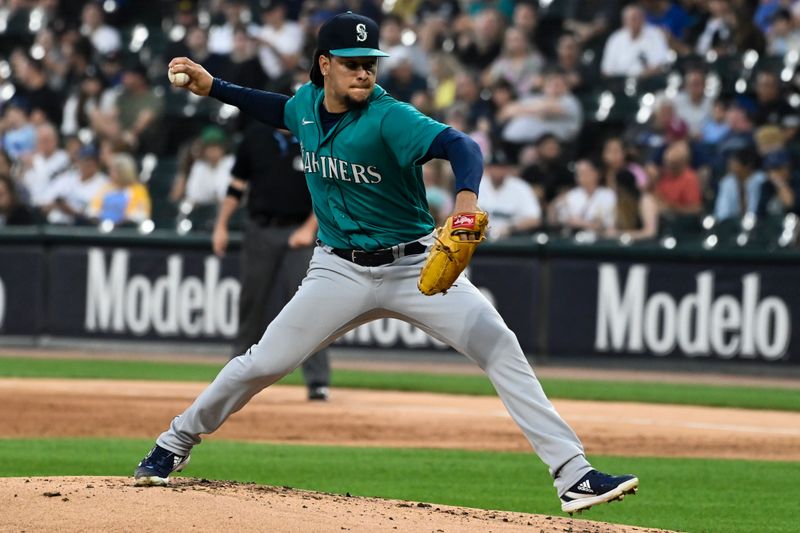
455,244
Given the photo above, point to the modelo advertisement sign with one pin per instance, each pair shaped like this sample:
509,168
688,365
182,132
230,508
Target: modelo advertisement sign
21,290
141,293
161,295
731,312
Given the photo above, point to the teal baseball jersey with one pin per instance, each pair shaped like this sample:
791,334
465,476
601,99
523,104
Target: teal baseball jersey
363,175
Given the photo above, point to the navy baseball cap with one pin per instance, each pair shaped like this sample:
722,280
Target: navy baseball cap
776,159
88,151
350,35
346,35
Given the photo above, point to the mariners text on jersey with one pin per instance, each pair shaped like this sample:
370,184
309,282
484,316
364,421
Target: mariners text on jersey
333,168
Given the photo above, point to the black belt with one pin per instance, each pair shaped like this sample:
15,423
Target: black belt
277,221
378,257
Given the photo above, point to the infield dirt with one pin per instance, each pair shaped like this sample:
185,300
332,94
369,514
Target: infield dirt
57,408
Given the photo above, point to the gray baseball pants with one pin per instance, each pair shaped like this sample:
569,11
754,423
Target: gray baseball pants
338,295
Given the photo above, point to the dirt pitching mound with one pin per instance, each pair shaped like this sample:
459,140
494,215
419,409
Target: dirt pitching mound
113,504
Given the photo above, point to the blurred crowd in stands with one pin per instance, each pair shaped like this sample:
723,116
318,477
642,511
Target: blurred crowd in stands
610,117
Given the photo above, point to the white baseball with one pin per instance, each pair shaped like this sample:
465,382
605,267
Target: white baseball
178,79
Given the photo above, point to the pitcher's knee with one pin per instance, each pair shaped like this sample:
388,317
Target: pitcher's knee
265,369
256,365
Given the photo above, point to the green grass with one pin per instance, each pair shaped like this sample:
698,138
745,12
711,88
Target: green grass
624,391
697,495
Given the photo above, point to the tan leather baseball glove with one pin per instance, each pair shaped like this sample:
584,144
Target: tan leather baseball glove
455,244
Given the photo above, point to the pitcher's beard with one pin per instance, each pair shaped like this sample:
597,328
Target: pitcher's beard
355,105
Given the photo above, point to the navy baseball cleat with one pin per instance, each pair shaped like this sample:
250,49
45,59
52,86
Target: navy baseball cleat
154,470
597,487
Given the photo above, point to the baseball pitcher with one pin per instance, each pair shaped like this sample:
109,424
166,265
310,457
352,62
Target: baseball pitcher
378,255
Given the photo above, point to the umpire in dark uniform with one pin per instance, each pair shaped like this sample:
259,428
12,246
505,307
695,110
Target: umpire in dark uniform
278,240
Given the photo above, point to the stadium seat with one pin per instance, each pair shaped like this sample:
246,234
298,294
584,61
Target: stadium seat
164,214
680,226
200,218
726,231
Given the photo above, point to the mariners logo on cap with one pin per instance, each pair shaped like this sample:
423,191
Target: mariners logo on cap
350,35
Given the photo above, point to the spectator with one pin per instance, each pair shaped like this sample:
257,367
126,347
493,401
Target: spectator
504,7
18,134
548,174
510,202
468,93
104,38
188,153
669,15
568,59
781,190
210,175
112,69
221,36
728,31
402,82
391,42
768,139
84,100
12,211
782,37
280,40
678,187
43,165
637,49
664,127
588,205
746,36
740,130
69,195
767,11
503,95
772,106
740,190
715,127
443,9
479,41
40,97
718,31
616,163
554,111
637,211
245,71
134,115
5,164
77,53
590,24
123,200
519,64
691,104
525,20
49,51
245,68
443,80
